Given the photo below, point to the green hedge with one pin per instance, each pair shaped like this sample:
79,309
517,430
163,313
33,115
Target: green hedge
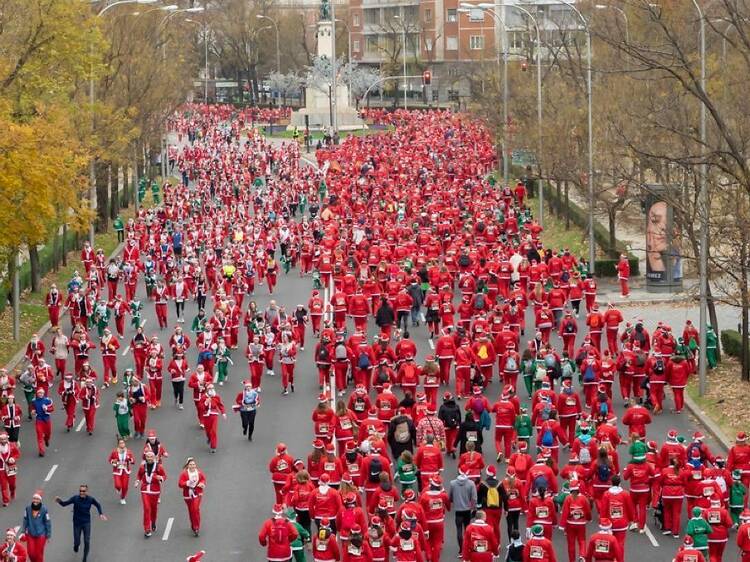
731,341
608,267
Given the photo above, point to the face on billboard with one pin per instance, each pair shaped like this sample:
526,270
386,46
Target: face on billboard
656,236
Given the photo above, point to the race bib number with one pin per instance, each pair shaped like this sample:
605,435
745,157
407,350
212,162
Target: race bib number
389,501
615,511
542,512
570,402
708,492
601,547
480,546
359,407
436,505
386,406
690,558
346,423
407,546
323,428
282,466
576,514
714,517
536,552
321,547
353,550
471,436
329,467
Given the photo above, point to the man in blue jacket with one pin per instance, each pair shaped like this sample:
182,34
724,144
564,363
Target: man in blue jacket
82,504
36,528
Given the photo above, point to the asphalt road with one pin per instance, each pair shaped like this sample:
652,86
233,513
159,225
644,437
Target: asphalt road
239,494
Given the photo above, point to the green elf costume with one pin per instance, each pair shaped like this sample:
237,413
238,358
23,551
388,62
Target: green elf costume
737,493
135,313
223,360
28,385
564,492
712,343
406,474
298,546
523,426
101,317
699,529
199,324
121,408
637,451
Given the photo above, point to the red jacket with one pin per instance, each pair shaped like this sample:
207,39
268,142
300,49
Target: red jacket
604,547
271,532
480,543
325,504
640,476
576,511
618,506
637,418
539,549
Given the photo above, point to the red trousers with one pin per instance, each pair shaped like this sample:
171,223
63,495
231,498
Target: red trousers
299,335
161,314
340,368
624,289
155,385
43,433
256,373
716,550
139,357
277,490
90,415
60,366
360,323
70,411
575,534
445,370
568,424
437,538
657,395
54,315
339,319
569,342
121,482
268,355
450,438
611,341
194,512
679,398
621,536
7,486
211,424
596,339
323,374
110,367
140,414
287,374
508,435
590,300
35,547
150,510
640,503
315,322
494,516
463,383
626,385
672,514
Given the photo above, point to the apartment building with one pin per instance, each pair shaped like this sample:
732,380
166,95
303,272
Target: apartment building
448,38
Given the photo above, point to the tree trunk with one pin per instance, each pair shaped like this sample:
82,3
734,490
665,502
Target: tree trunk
34,263
102,195
15,294
612,216
56,257
64,249
711,305
558,199
744,299
114,182
567,206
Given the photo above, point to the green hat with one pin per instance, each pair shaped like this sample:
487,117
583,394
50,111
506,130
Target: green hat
537,530
736,474
291,515
697,511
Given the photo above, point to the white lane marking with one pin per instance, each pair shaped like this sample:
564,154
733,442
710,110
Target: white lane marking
432,345
168,529
651,537
80,424
50,473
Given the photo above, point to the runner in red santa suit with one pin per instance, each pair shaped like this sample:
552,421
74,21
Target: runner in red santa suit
192,482
151,477
277,534
603,546
575,514
122,461
9,455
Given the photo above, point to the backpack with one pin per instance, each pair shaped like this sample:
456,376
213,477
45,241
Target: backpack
567,371
376,467
340,352
479,301
594,321
550,361
364,361
569,328
540,374
540,482
584,455
603,471
464,261
482,353
640,359
452,419
324,355
548,438
401,433
659,366
588,374
382,377
510,364
280,532
493,497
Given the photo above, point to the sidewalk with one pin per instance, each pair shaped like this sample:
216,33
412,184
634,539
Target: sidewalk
609,291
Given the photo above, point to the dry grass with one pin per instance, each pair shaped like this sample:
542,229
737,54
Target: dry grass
725,400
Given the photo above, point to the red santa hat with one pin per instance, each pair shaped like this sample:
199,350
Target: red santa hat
698,436
197,557
350,446
330,448
688,540
322,398
741,437
325,478
447,396
318,444
491,471
477,390
695,454
745,515
409,494
672,435
350,499
277,510
430,408
151,433
523,446
574,485
605,524
436,481
281,447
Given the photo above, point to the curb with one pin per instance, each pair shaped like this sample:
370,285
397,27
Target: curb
654,302
41,332
709,424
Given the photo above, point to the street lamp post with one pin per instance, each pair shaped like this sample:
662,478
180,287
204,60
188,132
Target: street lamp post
622,12
92,101
334,78
589,95
278,50
403,39
703,262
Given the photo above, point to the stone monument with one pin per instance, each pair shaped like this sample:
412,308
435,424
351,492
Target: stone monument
318,103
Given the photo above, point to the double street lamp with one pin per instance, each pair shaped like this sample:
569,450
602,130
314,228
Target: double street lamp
278,50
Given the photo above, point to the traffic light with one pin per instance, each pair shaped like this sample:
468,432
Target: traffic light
524,66
426,78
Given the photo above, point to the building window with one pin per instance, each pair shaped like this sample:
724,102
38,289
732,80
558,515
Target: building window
372,44
355,20
428,44
476,15
451,43
372,17
452,16
453,71
428,15
476,42
355,45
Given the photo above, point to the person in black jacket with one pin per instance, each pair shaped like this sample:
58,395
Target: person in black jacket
450,415
470,430
402,434
385,317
